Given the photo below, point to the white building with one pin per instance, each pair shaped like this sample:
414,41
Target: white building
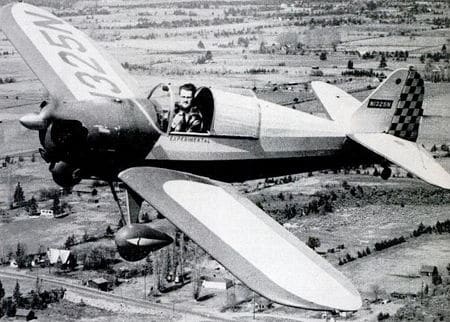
46,212
216,283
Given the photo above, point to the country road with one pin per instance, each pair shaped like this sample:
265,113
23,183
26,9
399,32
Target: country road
118,303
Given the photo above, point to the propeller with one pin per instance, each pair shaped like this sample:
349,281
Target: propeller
38,121
60,140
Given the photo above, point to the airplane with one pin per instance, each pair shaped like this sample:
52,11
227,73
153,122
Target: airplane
97,125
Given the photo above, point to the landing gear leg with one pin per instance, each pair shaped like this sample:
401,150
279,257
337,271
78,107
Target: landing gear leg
116,199
135,241
134,203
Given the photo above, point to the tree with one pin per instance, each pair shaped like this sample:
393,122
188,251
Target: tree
36,301
383,63
436,279
38,285
201,45
70,241
9,307
372,5
156,273
146,218
17,296
262,47
376,291
208,55
86,236
32,207
21,255
109,231
376,173
56,207
2,291
149,264
382,316
98,258
19,197
350,64
323,55
313,242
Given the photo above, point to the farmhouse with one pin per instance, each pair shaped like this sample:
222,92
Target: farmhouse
23,314
99,283
216,283
428,270
61,257
46,212
13,263
36,259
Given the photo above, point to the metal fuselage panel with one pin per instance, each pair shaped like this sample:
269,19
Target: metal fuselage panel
289,141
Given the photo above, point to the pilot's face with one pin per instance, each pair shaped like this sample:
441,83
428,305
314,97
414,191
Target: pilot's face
186,98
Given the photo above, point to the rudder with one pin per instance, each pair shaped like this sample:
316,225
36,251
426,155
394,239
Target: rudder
395,107
408,114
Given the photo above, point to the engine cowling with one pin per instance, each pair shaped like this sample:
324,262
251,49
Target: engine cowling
85,139
65,175
134,242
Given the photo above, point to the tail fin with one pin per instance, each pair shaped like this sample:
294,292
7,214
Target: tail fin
395,107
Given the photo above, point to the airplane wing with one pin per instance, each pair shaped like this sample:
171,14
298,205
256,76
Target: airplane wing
338,104
245,240
66,61
407,155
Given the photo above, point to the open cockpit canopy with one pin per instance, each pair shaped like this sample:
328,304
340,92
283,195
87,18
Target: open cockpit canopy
222,113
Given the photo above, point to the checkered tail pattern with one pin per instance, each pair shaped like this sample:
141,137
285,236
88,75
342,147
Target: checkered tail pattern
408,114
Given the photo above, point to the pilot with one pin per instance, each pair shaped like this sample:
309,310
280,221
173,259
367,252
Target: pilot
195,120
188,117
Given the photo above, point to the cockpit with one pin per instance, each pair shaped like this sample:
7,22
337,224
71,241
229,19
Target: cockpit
203,111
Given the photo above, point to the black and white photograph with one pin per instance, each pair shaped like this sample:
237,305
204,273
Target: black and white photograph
225,160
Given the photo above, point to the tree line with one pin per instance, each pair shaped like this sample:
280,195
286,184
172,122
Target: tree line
438,228
37,299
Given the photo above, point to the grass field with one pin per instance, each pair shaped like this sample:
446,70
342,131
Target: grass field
170,57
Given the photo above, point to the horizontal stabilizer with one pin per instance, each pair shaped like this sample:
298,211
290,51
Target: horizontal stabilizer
244,239
338,104
407,155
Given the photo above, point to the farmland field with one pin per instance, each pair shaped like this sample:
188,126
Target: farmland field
275,50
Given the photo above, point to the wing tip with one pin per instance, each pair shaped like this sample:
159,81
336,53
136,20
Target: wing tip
347,304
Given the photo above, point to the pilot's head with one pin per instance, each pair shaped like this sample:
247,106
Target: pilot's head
187,92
